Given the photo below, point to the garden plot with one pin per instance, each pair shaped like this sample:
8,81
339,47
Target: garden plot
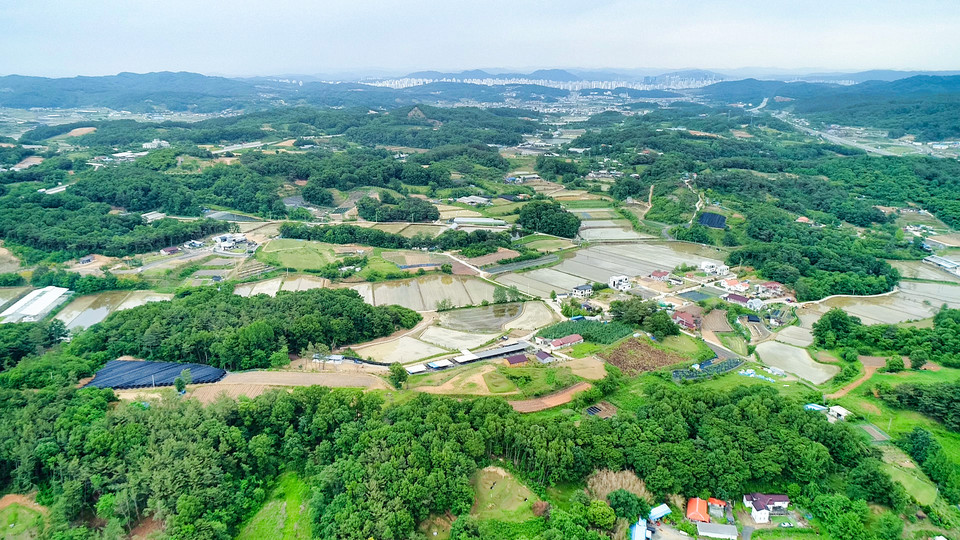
795,335
453,339
483,319
491,258
595,213
86,311
403,350
604,224
527,284
563,281
795,360
299,254
221,262
597,234
431,230
423,293
450,212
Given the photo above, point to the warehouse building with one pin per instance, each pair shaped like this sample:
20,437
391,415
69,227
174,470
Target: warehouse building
35,305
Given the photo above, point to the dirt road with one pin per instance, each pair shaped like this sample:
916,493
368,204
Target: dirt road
550,400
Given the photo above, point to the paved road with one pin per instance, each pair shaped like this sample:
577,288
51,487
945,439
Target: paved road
838,140
747,532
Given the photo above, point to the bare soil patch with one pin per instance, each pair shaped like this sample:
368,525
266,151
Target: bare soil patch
76,132
549,401
468,383
868,372
27,501
334,379
148,528
635,356
588,367
29,162
740,134
287,143
716,321
491,258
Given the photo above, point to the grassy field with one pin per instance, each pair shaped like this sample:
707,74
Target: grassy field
299,254
501,497
914,481
900,421
283,515
498,383
539,380
591,203
585,349
734,342
686,346
544,243
20,523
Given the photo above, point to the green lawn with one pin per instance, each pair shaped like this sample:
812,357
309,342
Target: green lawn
498,383
284,515
686,346
299,254
500,496
734,342
538,379
20,523
732,379
914,481
585,349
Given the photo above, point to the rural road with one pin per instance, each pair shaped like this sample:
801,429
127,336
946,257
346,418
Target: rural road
838,140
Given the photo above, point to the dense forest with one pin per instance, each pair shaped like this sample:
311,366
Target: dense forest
219,328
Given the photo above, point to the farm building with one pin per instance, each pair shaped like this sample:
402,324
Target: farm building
815,407
440,364
716,507
86,259
659,275
474,200
639,531
169,250
762,505
837,412
685,319
714,268
619,283
582,291
714,221
738,299
517,360
418,368
566,341
697,510
544,357
35,305
715,530
656,514
150,217
491,354
950,266
478,221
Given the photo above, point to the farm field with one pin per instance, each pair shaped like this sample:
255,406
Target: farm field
914,301
8,261
795,360
455,339
544,243
598,263
595,213
9,294
303,283
560,397
903,469
491,258
796,336
475,380
268,287
423,293
404,350
922,270
299,254
86,311
490,318
284,515
637,355
734,342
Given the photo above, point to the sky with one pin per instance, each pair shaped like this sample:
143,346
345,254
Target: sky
249,38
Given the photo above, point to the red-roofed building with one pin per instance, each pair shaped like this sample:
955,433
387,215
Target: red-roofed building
659,275
770,288
566,341
684,319
716,502
697,510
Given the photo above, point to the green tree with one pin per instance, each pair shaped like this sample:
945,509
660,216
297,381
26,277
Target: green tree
895,364
600,515
398,375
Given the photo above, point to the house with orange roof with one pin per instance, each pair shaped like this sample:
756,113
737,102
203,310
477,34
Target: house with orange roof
697,510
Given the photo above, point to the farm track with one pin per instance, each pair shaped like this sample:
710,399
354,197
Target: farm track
551,400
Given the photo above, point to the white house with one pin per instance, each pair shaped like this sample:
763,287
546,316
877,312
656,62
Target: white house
582,291
734,285
837,412
714,268
761,505
619,283
755,304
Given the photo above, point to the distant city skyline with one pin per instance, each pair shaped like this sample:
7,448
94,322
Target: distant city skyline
246,38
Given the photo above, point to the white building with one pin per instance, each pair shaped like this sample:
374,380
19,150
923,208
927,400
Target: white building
761,505
619,283
755,304
474,200
716,530
734,285
582,291
837,412
156,143
35,305
714,268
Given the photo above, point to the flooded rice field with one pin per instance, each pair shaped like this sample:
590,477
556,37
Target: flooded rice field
85,311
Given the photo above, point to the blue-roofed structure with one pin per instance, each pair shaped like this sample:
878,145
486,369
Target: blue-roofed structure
638,531
815,407
657,513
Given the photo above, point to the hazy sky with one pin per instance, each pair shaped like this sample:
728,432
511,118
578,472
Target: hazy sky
265,37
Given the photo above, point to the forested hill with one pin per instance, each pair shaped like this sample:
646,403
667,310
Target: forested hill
199,93
925,106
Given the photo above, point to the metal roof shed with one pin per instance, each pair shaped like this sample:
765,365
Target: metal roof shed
715,530
658,512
